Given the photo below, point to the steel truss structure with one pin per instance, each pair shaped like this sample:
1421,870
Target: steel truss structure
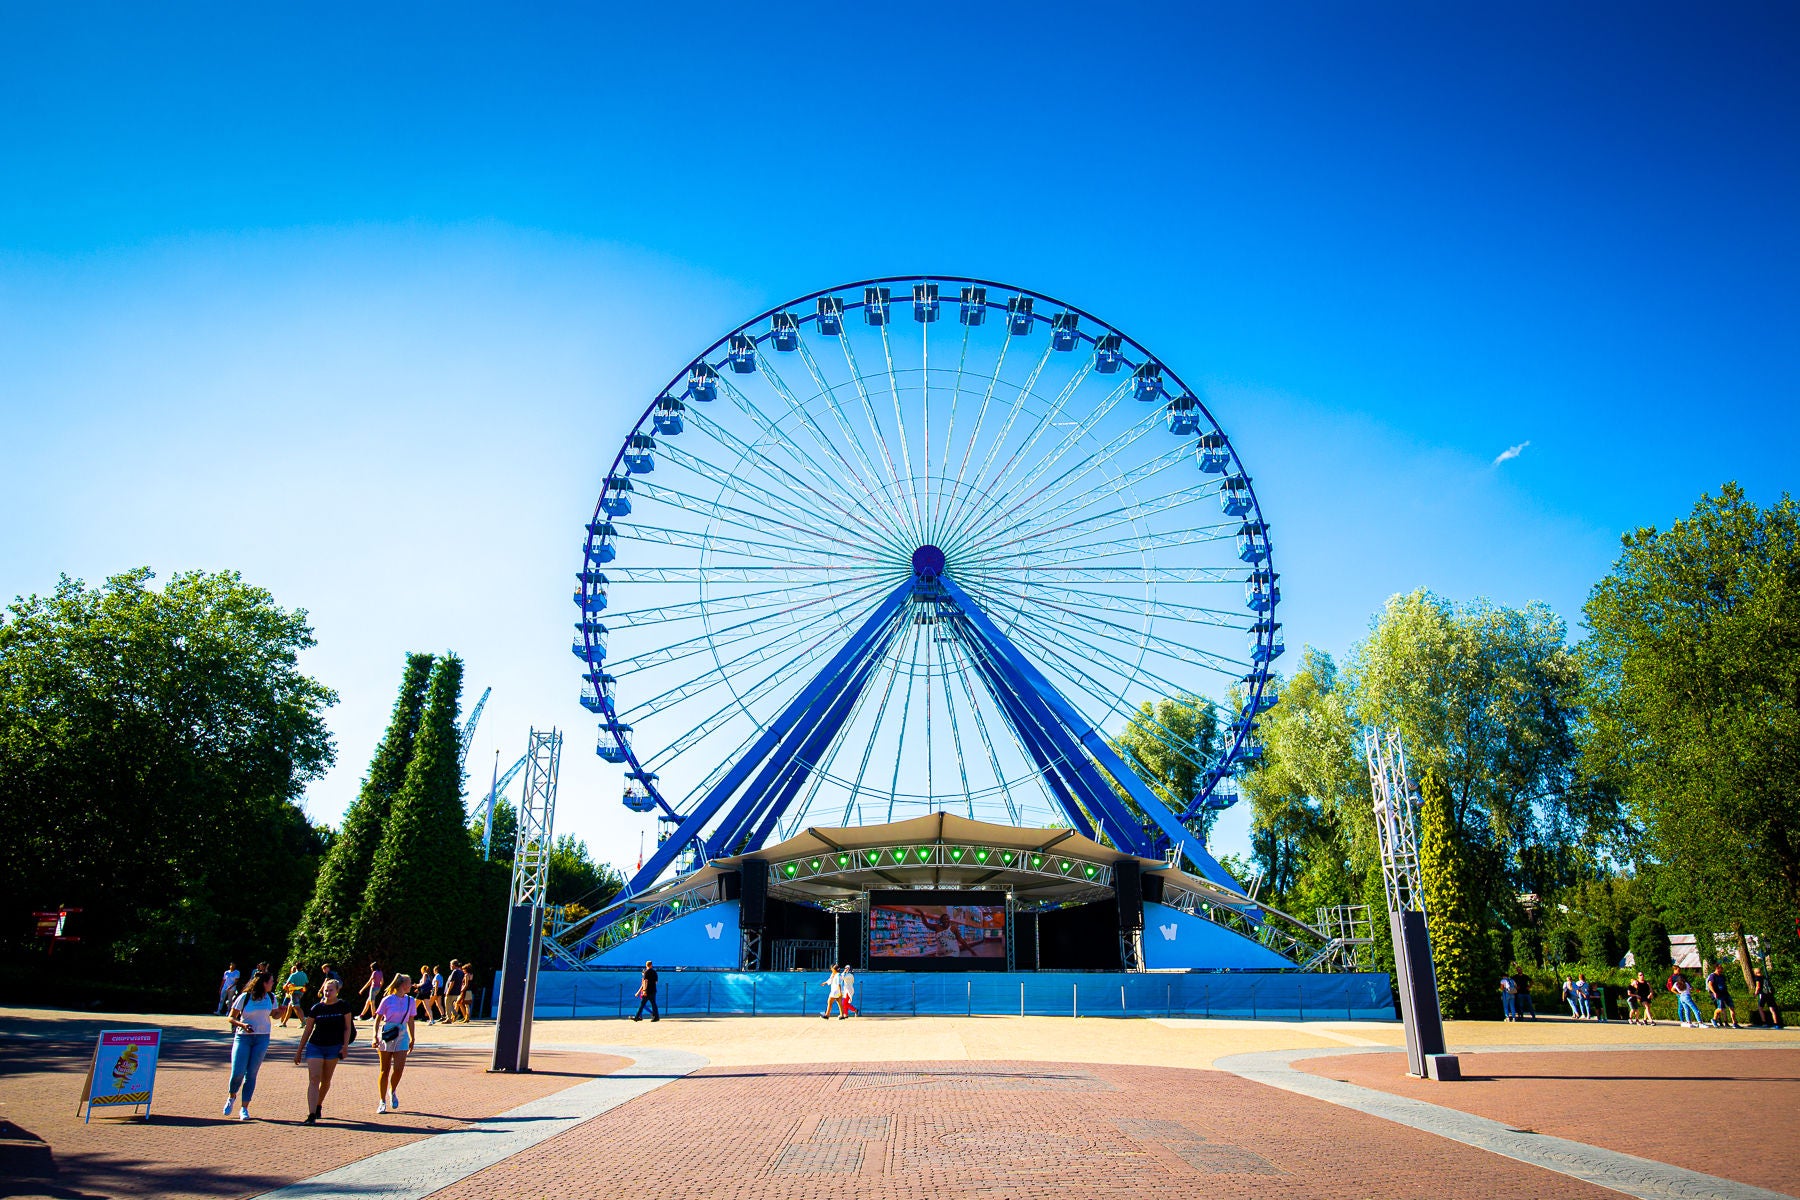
525,917
910,545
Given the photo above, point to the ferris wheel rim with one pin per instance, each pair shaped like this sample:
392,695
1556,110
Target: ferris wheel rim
1259,672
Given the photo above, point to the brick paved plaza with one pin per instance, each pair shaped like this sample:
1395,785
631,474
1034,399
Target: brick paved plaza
928,1107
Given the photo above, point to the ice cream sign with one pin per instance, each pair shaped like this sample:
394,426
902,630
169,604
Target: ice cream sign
123,1070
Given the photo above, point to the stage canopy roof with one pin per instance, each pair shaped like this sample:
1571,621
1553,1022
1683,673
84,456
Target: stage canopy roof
840,863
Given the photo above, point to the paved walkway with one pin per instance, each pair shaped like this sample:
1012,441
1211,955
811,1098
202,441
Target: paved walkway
941,1108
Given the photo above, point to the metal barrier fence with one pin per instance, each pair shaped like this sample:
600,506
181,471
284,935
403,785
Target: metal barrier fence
1276,995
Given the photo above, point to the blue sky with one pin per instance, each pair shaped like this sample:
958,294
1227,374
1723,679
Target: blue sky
363,305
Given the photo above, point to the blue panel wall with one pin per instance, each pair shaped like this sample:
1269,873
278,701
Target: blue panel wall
707,937
1175,941
1289,994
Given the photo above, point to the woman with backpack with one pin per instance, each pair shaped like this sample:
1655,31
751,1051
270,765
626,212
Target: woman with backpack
394,1018
250,1015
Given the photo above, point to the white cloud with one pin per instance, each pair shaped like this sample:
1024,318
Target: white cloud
1511,452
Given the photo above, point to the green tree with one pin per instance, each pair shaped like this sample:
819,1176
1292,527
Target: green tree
1488,698
1311,825
1457,943
1649,943
1168,745
328,924
153,745
417,902
574,877
1693,683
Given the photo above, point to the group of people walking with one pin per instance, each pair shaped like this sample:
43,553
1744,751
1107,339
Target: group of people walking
1585,999
329,1025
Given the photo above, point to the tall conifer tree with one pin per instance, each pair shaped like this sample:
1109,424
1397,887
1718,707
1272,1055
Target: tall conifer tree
1456,939
327,926
416,902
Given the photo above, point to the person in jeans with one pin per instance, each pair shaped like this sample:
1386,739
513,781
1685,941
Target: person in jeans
1522,994
324,1041
1584,992
1684,1000
1509,1001
227,989
250,1015
647,993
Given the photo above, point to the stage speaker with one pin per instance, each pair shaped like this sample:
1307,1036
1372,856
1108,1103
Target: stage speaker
753,905
1128,886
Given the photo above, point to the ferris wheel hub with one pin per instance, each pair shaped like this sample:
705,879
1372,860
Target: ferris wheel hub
928,562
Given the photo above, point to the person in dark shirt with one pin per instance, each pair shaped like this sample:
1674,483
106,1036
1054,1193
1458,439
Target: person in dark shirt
647,994
324,1041
1721,997
1765,1001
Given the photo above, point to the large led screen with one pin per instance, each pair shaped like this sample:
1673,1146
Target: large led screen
937,930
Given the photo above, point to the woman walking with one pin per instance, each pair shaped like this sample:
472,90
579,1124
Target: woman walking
250,1015
466,1001
834,991
1684,1000
394,1018
849,983
371,991
324,1041
424,994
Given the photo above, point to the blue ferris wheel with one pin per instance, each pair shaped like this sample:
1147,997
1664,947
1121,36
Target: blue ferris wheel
912,545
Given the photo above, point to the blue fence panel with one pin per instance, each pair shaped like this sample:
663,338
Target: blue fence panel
1276,995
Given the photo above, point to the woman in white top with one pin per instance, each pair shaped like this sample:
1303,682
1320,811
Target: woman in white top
394,1018
849,983
834,993
249,1016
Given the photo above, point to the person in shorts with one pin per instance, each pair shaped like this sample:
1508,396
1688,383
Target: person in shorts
395,1017
453,988
1721,997
466,1002
293,994
324,1041
371,991
426,995
1765,1001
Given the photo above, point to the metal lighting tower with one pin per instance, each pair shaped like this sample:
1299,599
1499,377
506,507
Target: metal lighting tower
525,919
1413,969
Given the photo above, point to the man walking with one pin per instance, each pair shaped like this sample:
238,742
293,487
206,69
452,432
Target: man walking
227,989
647,994
1721,997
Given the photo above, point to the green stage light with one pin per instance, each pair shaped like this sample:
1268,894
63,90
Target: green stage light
956,853
1089,870
981,856
843,860
792,869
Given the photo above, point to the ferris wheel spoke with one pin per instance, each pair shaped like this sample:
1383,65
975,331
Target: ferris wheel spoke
696,574
1221,618
954,518
1080,620
744,518
905,711
949,439
869,750
1139,543
962,768
1142,574
987,741
738,548
1002,492
724,673
842,502
730,634
870,487
1052,499
1030,534
987,397
691,609
800,505
868,406
829,392
887,353
1071,656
